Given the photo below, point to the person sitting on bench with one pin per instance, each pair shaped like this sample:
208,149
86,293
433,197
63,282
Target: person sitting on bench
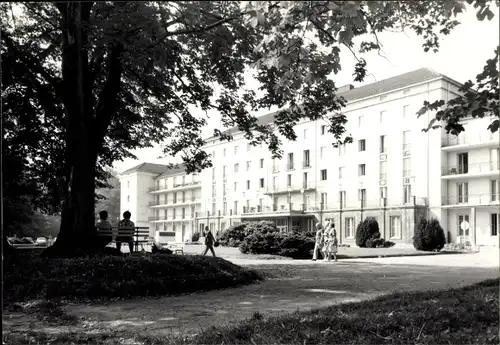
104,224
126,223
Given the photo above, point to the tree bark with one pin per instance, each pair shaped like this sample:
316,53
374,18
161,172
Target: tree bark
85,129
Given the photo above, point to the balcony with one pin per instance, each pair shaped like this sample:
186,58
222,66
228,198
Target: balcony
175,187
472,200
306,164
464,139
173,204
187,217
296,188
483,169
290,166
373,203
274,209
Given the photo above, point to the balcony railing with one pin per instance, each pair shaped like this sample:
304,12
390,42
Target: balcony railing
175,203
272,208
298,187
473,168
466,138
290,166
177,185
306,164
471,199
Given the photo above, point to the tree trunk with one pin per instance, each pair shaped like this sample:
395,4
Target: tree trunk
77,219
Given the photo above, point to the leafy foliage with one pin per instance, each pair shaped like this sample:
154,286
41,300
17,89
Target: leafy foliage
429,236
195,237
378,243
32,277
366,230
234,235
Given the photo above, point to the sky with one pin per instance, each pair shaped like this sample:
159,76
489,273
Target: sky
461,57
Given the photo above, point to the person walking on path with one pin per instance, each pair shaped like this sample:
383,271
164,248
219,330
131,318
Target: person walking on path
127,224
326,241
333,246
209,242
319,241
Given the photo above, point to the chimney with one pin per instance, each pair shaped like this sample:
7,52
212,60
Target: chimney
345,88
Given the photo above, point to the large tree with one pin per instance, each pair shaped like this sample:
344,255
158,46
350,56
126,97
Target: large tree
99,79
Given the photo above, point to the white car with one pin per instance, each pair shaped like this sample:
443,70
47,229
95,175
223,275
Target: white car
41,241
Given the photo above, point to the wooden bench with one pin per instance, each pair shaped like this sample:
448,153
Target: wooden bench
140,234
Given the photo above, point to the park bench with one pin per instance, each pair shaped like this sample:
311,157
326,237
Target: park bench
140,234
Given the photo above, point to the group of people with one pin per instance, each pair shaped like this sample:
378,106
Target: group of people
126,223
326,241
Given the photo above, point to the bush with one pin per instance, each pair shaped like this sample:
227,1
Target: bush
232,236
30,276
262,243
297,246
378,243
429,236
366,230
195,237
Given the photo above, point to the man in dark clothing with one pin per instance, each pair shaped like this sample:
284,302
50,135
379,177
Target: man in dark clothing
129,228
104,224
209,242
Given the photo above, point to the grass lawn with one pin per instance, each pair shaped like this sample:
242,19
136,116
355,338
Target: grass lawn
29,277
468,315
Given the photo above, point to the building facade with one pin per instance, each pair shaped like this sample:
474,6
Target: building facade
392,171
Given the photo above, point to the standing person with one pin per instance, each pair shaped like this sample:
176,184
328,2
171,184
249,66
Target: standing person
209,242
104,224
128,237
318,245
326,241
333,244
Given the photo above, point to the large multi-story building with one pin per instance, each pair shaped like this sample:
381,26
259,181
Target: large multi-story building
392,171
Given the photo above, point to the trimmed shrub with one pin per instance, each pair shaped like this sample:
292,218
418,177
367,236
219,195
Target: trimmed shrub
378,243
233,236
195,237
429,236
262,243
297,246
366,230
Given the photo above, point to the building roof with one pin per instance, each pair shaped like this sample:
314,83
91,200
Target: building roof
178,169
147,167
400,81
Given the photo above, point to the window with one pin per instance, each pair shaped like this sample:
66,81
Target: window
406,110
235,186
128,197
174,228
213,208
494,190
360,121
323,129
247,202
128,184
495,159
383,116
213,191
307,163
463,163
235,207
322,152
173,213
224,208
383,170
342,198
362,196
236,167
248,184
382,144
183,213
175,197
463,192
341,150
341,172
248,165
224,152
213,174
407,193
494,224
406,141
236,150
324,200
407,167
361,170
289,180
323,175
261,183
463,218
275,179
383,192
261,163
305,182
305,133
224,168
395,227
349,228
290,161
224,189
212,227
183,196
361,145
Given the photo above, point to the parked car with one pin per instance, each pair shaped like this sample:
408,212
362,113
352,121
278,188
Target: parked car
41,241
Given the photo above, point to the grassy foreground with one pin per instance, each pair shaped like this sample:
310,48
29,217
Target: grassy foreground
460,316
30,276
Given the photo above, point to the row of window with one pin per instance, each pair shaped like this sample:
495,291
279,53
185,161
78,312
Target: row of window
382,144
463,191
394,227
176,197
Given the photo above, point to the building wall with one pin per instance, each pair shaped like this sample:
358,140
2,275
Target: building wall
135,197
